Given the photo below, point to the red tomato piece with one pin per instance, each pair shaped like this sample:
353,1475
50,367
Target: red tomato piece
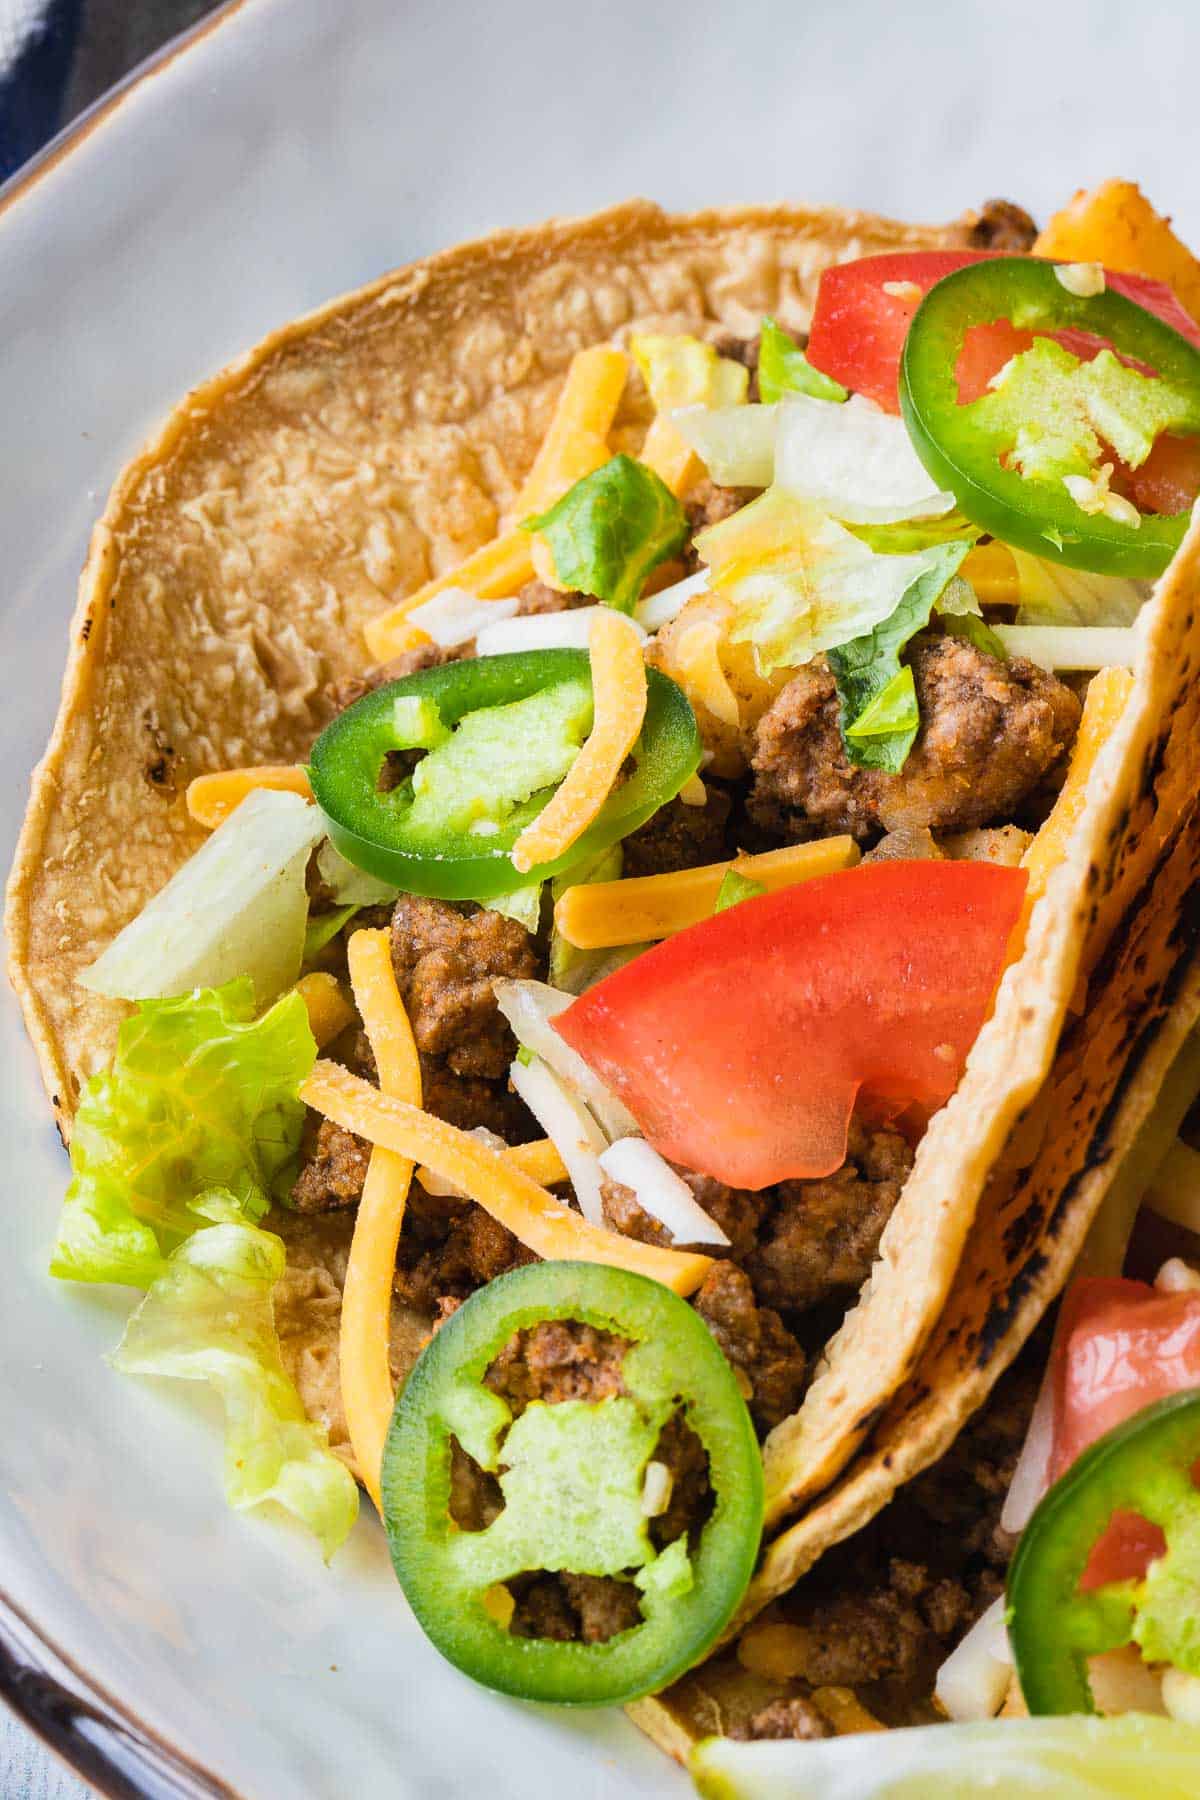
742,1044
1169,479
1125,1552
858,329
1120,1346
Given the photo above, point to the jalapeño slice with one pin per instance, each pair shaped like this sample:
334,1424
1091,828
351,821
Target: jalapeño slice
429,781
1144,1467
576,1496
983,451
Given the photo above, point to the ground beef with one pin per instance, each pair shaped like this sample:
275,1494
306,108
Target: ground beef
756,1341
820,1237
448,1248
691,1500
992,733
738,1212
679,836
471,1102
573,1608
795,1718
540,597
1002,225
476,1497
341,694
891,1628
333,1167
446,958
559,1359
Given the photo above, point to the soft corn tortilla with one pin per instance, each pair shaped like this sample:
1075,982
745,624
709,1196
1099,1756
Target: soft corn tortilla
332,471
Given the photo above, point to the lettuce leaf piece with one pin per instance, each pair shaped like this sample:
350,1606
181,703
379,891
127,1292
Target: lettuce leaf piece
237,907
611,529
977,632
735,888
323,928
855,461
1050,410
680,370
209,1316
350,885
570,967
736,444
201,1094
879,722
784,369
799,582
908,535
524,905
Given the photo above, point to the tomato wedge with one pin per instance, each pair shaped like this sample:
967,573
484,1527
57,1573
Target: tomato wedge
742,1044
864,310
1120,1346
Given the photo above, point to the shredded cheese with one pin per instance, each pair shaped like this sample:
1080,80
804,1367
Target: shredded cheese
844,1710
696,654
494,572
329,1011
619,706
211,798
543,1224
585,411
363,1349
539,1160
600,915
665,451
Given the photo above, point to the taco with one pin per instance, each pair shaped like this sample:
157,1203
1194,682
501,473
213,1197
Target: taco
699,881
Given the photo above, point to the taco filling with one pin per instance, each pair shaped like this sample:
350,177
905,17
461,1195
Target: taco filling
561,1096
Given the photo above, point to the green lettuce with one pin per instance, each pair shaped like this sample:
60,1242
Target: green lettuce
611,529
734,889
680,370
209,1316
879,717
200,1095
977,631
784,369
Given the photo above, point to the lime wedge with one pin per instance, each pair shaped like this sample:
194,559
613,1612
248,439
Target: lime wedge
1071,1758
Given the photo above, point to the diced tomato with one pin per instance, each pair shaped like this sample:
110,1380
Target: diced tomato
1169,479
1120,1346
858,329
742,1044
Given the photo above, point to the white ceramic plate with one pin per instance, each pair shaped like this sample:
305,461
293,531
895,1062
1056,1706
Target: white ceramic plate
293,149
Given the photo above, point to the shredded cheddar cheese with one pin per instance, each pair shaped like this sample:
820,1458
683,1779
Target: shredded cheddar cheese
329,1011
539,1160
599,915
673,461
543,1224
579,429
211,798
619,706
365,1369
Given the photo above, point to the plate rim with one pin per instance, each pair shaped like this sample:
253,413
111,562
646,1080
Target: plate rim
83,1725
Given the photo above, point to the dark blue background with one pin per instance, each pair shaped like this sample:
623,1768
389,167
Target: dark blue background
80,49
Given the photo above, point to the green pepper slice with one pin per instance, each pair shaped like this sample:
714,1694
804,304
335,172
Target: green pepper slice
572,1473
528,713
962,445
1143,1466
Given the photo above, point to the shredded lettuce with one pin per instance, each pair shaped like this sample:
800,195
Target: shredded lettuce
684,371
209,1316
736,444
784,369
855,461
611,529
200,1095
879,716
976,631
918,534
1050,594
237,907
1052,411
734,889
322,928
522,904
348,884
570,967
800,583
